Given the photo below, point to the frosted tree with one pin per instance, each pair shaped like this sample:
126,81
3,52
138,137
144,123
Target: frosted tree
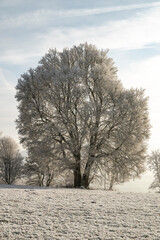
10,161
75,99
154,164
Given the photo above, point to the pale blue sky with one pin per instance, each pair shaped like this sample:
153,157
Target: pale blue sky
129,28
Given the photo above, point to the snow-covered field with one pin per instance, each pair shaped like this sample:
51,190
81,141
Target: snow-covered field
28,213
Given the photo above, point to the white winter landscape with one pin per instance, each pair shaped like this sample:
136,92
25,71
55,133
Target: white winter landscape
52,213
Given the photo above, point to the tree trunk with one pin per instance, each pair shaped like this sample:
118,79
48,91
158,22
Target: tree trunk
91,158
85,180
77,177
105,181
111,184
77,173
86,175
9,173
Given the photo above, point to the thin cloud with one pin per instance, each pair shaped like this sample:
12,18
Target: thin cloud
34,18
43,16
132,33
20,56
86,12
4,84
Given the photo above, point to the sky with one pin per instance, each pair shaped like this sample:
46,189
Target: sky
130,29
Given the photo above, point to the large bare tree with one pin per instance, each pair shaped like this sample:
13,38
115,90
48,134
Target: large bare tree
74,98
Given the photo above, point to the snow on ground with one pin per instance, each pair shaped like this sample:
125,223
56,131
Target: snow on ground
52,214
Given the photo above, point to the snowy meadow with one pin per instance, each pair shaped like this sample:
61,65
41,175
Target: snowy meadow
52,213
